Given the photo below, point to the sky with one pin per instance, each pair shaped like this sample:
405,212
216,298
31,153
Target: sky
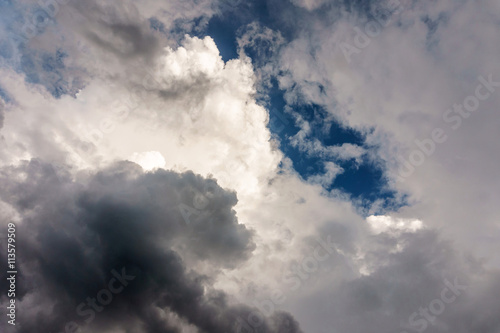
267,166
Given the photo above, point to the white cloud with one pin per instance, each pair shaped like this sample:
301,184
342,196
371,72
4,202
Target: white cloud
309,4
149,160
401,85
383,223
326,179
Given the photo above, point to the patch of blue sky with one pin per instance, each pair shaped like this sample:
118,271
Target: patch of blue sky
5,95
365,181
21,21
432,41
47,69
39,67
157,25
223,30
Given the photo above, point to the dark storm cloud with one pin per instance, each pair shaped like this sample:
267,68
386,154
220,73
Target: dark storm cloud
125,226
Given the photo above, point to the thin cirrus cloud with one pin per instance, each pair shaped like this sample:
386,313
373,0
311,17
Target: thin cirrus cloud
224,188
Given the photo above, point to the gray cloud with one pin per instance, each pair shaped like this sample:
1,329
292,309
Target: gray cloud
406,275
73,234
122,31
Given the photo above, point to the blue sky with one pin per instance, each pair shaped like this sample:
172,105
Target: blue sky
366,181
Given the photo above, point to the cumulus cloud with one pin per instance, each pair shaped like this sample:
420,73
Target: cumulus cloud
212,241
187,96
374,89
73,234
